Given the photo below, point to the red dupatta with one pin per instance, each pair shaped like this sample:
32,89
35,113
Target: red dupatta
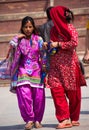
60,28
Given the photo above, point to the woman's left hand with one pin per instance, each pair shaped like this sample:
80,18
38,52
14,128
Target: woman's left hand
45,45
21,36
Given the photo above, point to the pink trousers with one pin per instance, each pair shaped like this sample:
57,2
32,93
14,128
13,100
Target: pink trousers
31,102
67,109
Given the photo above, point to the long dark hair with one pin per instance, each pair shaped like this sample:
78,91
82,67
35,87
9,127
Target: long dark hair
25,20
48,12
69,15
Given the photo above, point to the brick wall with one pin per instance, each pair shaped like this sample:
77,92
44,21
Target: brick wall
73,3
12,11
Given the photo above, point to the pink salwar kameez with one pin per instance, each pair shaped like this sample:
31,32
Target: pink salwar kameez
28,61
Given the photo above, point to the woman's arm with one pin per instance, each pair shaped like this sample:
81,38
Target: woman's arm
70,44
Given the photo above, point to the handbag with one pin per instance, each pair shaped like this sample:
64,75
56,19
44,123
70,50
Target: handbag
82,67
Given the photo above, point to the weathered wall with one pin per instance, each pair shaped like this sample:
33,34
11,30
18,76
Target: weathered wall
12,11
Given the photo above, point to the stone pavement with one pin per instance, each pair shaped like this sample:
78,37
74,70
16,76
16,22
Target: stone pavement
10,118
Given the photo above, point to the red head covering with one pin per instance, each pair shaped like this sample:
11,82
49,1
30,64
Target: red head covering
60,24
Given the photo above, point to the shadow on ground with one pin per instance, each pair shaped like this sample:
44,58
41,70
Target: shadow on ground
21,127
85,97
14,127
84,112
49,125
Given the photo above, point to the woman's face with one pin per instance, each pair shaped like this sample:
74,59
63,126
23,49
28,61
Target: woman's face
28,29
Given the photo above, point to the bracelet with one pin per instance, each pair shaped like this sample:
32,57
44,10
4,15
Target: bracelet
59,45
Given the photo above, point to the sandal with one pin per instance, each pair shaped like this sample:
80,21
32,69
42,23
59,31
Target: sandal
75,123
64,124
38,125
29,125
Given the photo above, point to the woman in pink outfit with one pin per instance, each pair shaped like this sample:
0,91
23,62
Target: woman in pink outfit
29,63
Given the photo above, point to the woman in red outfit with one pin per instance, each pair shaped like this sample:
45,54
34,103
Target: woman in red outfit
65,77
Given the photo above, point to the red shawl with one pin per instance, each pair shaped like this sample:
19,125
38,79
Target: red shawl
60,24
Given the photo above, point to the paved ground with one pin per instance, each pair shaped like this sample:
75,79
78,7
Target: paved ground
10,118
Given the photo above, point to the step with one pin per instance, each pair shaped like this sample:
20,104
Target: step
13,15
21,6
5,38
73,3
6,83
7,6
9,20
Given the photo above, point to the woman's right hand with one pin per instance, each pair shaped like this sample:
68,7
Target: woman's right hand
21,36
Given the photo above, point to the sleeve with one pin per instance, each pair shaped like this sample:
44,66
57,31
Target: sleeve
72,44
14,41
15,63
43,54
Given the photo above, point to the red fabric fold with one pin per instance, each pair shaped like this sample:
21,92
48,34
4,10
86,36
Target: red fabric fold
60,28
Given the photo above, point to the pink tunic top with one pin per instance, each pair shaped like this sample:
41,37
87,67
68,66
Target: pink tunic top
28,61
